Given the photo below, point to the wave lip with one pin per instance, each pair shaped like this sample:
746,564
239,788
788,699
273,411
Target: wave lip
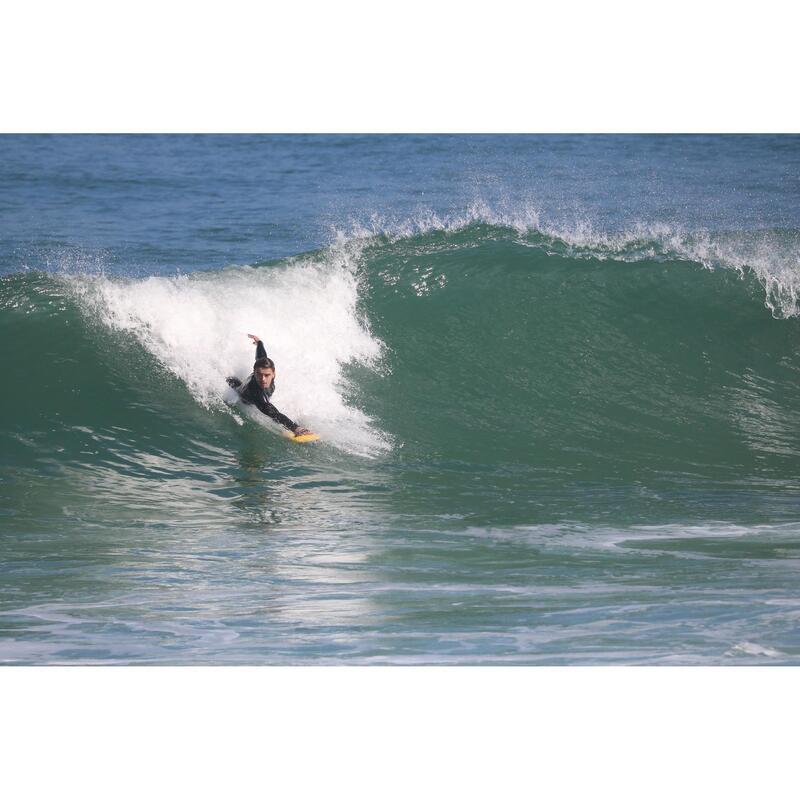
772,256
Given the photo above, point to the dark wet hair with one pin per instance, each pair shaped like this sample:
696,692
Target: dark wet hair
264,363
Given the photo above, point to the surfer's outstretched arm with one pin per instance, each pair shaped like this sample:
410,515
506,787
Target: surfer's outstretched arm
265,407
260,350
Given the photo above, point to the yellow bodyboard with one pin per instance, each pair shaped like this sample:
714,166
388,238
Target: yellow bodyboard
303,437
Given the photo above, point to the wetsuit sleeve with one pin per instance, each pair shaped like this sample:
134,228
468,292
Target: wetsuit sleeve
267,408
260,351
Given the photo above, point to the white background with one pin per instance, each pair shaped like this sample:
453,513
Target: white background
397,732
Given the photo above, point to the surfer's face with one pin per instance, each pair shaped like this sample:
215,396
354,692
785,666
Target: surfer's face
264,377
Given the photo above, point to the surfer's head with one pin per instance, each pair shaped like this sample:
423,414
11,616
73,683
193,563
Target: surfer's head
264,372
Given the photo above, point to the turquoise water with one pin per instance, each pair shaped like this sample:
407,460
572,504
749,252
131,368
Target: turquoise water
556,381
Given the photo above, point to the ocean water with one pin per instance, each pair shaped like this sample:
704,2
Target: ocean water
557,380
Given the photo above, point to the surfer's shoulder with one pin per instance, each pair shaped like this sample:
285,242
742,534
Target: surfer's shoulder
244,388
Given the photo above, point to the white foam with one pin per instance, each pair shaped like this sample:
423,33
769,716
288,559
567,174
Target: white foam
753,649
773,258
306,312
578,535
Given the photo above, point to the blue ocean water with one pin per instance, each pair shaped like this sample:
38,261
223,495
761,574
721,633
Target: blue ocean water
157,204
556,381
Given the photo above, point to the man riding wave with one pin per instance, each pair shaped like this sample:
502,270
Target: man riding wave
260,386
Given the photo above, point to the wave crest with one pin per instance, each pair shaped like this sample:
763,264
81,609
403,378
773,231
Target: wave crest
772,256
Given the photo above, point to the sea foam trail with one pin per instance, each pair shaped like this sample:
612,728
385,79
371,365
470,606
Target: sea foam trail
306,312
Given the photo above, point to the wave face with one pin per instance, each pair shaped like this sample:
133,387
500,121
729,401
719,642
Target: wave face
624,357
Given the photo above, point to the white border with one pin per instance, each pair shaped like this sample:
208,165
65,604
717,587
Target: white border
398,732
433,66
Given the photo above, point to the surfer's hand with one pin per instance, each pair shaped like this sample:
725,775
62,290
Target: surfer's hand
255,338
299,431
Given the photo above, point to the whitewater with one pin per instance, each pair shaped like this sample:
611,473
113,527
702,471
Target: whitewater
556,382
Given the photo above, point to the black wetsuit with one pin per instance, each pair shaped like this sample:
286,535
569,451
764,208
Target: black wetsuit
252,394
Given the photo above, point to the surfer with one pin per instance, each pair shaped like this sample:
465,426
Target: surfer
259,387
